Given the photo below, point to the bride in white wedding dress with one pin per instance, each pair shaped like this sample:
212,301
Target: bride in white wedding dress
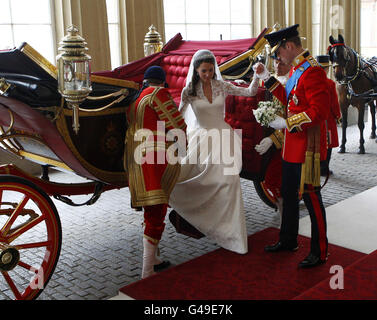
208,193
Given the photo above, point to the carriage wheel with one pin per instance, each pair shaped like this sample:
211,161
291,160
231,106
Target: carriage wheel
265,194
269,189
30,238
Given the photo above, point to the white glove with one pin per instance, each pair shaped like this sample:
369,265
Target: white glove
240,81
264,75
264,145
278,123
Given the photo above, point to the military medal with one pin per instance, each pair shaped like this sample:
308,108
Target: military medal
295,99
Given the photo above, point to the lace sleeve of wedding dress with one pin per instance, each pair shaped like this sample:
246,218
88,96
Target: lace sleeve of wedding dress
187,112
251,90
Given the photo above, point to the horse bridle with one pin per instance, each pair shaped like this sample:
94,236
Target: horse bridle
346,78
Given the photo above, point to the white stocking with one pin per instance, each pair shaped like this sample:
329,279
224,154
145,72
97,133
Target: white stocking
149,258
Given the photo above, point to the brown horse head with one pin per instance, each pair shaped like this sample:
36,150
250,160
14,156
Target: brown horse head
340,57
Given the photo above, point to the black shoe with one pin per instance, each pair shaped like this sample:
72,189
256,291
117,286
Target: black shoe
311,261
161,266
325,173
183,226
280,247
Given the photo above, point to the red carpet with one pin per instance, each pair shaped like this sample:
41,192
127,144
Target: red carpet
360,283
224,275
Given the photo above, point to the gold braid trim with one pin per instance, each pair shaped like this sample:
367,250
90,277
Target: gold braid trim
297,120
277,138
163,112
139,195
154,241
271,84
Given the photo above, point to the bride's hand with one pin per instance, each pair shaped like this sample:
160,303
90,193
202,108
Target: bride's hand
261,71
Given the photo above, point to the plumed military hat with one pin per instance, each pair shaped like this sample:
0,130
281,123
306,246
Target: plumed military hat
324,60
277,38
155,72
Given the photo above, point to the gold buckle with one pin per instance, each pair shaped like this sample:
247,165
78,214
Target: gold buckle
4,86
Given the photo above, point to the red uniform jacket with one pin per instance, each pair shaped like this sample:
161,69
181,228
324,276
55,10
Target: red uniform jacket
307,108
334,116
151,176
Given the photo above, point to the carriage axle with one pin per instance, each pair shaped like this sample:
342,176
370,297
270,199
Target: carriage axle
9,257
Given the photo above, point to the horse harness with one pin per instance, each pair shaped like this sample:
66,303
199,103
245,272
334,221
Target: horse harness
362,66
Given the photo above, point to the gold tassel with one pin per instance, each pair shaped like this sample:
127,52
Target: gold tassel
302,182
306,172
309,167
317,170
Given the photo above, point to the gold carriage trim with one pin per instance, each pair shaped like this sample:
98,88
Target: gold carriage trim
277,138
114,82
47,66
40,60
296,121
44,159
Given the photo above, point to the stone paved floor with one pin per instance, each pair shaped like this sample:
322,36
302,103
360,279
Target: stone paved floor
102,244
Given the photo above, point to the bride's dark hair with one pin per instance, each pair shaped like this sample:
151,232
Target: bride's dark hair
195,76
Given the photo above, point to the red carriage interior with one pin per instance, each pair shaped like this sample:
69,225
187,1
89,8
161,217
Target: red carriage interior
175,59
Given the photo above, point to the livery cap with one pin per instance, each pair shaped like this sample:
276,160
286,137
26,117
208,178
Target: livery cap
155,72
277,38
323,60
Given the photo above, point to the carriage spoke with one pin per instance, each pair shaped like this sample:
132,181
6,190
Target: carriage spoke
14,235
11,284
5,229
26,266
33,245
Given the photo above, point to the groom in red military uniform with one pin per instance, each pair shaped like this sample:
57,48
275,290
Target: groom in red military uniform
307,99
151,176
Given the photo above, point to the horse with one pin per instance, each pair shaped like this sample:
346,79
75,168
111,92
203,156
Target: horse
356,85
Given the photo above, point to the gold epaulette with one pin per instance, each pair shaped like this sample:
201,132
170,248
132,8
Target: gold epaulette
296,121
313,62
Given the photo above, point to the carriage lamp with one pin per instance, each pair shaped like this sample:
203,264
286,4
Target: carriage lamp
152,41
73,72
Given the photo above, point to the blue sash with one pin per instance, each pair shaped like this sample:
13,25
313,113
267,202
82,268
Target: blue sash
292,82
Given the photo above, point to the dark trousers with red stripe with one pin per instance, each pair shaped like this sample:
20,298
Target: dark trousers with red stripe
291,177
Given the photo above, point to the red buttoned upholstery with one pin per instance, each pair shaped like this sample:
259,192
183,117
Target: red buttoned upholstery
239,115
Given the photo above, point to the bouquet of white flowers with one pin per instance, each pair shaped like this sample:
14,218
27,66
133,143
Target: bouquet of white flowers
267,112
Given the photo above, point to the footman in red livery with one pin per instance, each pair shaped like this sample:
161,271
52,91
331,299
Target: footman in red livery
151,181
